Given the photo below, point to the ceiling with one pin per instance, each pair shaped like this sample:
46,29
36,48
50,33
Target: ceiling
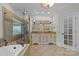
36,8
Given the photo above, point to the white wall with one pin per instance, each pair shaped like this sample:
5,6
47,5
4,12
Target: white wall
1,17
1,23
71,9
6,5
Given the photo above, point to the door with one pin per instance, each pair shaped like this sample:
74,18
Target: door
68,31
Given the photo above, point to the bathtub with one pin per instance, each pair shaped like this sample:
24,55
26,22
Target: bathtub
10,51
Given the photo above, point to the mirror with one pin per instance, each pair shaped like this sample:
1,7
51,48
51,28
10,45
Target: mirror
18,31
17,27
20,34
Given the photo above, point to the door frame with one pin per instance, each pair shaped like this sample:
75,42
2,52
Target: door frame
62,36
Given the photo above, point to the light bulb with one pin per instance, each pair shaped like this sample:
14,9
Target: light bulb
47,5
51,4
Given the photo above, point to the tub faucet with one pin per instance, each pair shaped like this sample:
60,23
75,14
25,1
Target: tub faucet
5,42
22,44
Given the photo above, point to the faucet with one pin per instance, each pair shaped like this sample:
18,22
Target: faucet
5,42
22,44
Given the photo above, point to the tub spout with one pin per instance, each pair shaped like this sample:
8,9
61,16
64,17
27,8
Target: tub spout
22,44
5,42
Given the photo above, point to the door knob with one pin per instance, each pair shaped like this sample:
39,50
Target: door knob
62,33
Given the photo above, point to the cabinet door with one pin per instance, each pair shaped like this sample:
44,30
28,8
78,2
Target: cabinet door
42,39
35,38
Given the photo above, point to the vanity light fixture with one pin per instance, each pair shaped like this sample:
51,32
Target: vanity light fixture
47,5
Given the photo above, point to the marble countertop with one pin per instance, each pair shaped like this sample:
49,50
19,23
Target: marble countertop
44,32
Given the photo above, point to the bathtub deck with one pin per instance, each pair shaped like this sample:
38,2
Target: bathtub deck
50,50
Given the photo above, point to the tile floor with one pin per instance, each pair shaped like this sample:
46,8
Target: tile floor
50,50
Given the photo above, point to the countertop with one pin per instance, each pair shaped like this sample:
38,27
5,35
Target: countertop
45,32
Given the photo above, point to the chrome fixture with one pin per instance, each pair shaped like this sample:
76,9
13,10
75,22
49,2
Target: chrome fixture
5,42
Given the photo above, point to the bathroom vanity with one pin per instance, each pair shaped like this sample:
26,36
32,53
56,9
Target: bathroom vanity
43,30
43,37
